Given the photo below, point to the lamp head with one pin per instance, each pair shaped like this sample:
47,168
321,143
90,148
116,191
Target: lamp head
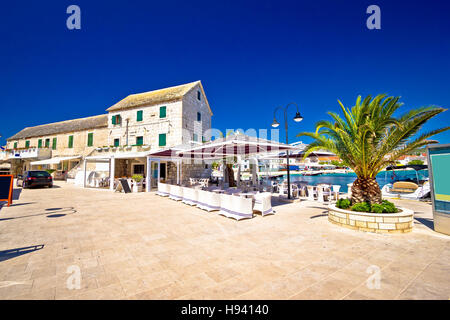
298,117
275,123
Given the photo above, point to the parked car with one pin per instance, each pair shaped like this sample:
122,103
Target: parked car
34,179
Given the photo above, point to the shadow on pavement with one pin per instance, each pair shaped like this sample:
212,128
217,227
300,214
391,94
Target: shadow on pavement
54,214
426,222
12,253
16,193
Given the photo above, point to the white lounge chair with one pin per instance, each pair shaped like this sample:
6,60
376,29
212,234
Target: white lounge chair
283,190
335,191
323,193
176,193
235,207
163,189
209,201
311,193
190,196
263,203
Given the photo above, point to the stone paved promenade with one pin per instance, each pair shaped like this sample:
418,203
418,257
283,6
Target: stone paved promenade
141,246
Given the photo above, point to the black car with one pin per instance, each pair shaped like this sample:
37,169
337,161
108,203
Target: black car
34,179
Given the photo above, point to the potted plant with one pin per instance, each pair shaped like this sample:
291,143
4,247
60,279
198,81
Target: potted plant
105,148
137,182
127,147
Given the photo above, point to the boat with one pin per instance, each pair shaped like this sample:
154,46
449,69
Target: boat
311,173
407,188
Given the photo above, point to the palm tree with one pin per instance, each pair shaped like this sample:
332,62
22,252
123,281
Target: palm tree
370,137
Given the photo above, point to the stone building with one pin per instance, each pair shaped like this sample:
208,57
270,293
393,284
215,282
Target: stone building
68,141
138,124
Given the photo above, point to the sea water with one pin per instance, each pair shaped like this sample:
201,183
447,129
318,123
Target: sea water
343,179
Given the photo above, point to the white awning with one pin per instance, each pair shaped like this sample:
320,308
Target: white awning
119,155
54,160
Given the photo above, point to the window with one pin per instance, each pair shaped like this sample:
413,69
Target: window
27,144
139,141
116,119
40,143
162,112
195,137
70,141
139,115
199,95
139,169
47,143
116,142
15,145
90,141
54,144
199,116
162,139
203,139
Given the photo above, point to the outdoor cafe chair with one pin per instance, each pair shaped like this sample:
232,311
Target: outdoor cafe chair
190,196
209,201
235,207
163,189
283,190
176,193
335,191
311,192
263,203
323,193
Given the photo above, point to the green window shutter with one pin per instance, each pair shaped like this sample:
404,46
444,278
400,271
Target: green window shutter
47,143
70,141
91,139
54,144
15,145
40,143
162,112
113,119
139,141
162,139
116,142
139,115
27,144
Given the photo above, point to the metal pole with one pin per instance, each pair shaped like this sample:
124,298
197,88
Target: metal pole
287,153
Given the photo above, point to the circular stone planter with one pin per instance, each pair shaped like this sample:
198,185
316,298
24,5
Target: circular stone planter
400,222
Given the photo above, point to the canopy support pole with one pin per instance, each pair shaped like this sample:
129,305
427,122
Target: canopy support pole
112,173
84,172
148,178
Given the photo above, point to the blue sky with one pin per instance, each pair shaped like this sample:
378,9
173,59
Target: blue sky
250,55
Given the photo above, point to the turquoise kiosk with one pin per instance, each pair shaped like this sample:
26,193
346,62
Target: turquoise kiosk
439,173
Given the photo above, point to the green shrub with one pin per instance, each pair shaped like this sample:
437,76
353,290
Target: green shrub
376,208
361,207
388,207
137,177
343,203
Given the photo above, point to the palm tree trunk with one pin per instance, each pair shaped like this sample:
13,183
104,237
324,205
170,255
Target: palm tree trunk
366,190
230,173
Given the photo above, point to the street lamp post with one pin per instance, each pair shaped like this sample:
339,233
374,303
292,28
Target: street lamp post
275,124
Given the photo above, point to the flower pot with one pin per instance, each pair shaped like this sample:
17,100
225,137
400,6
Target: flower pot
137,186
